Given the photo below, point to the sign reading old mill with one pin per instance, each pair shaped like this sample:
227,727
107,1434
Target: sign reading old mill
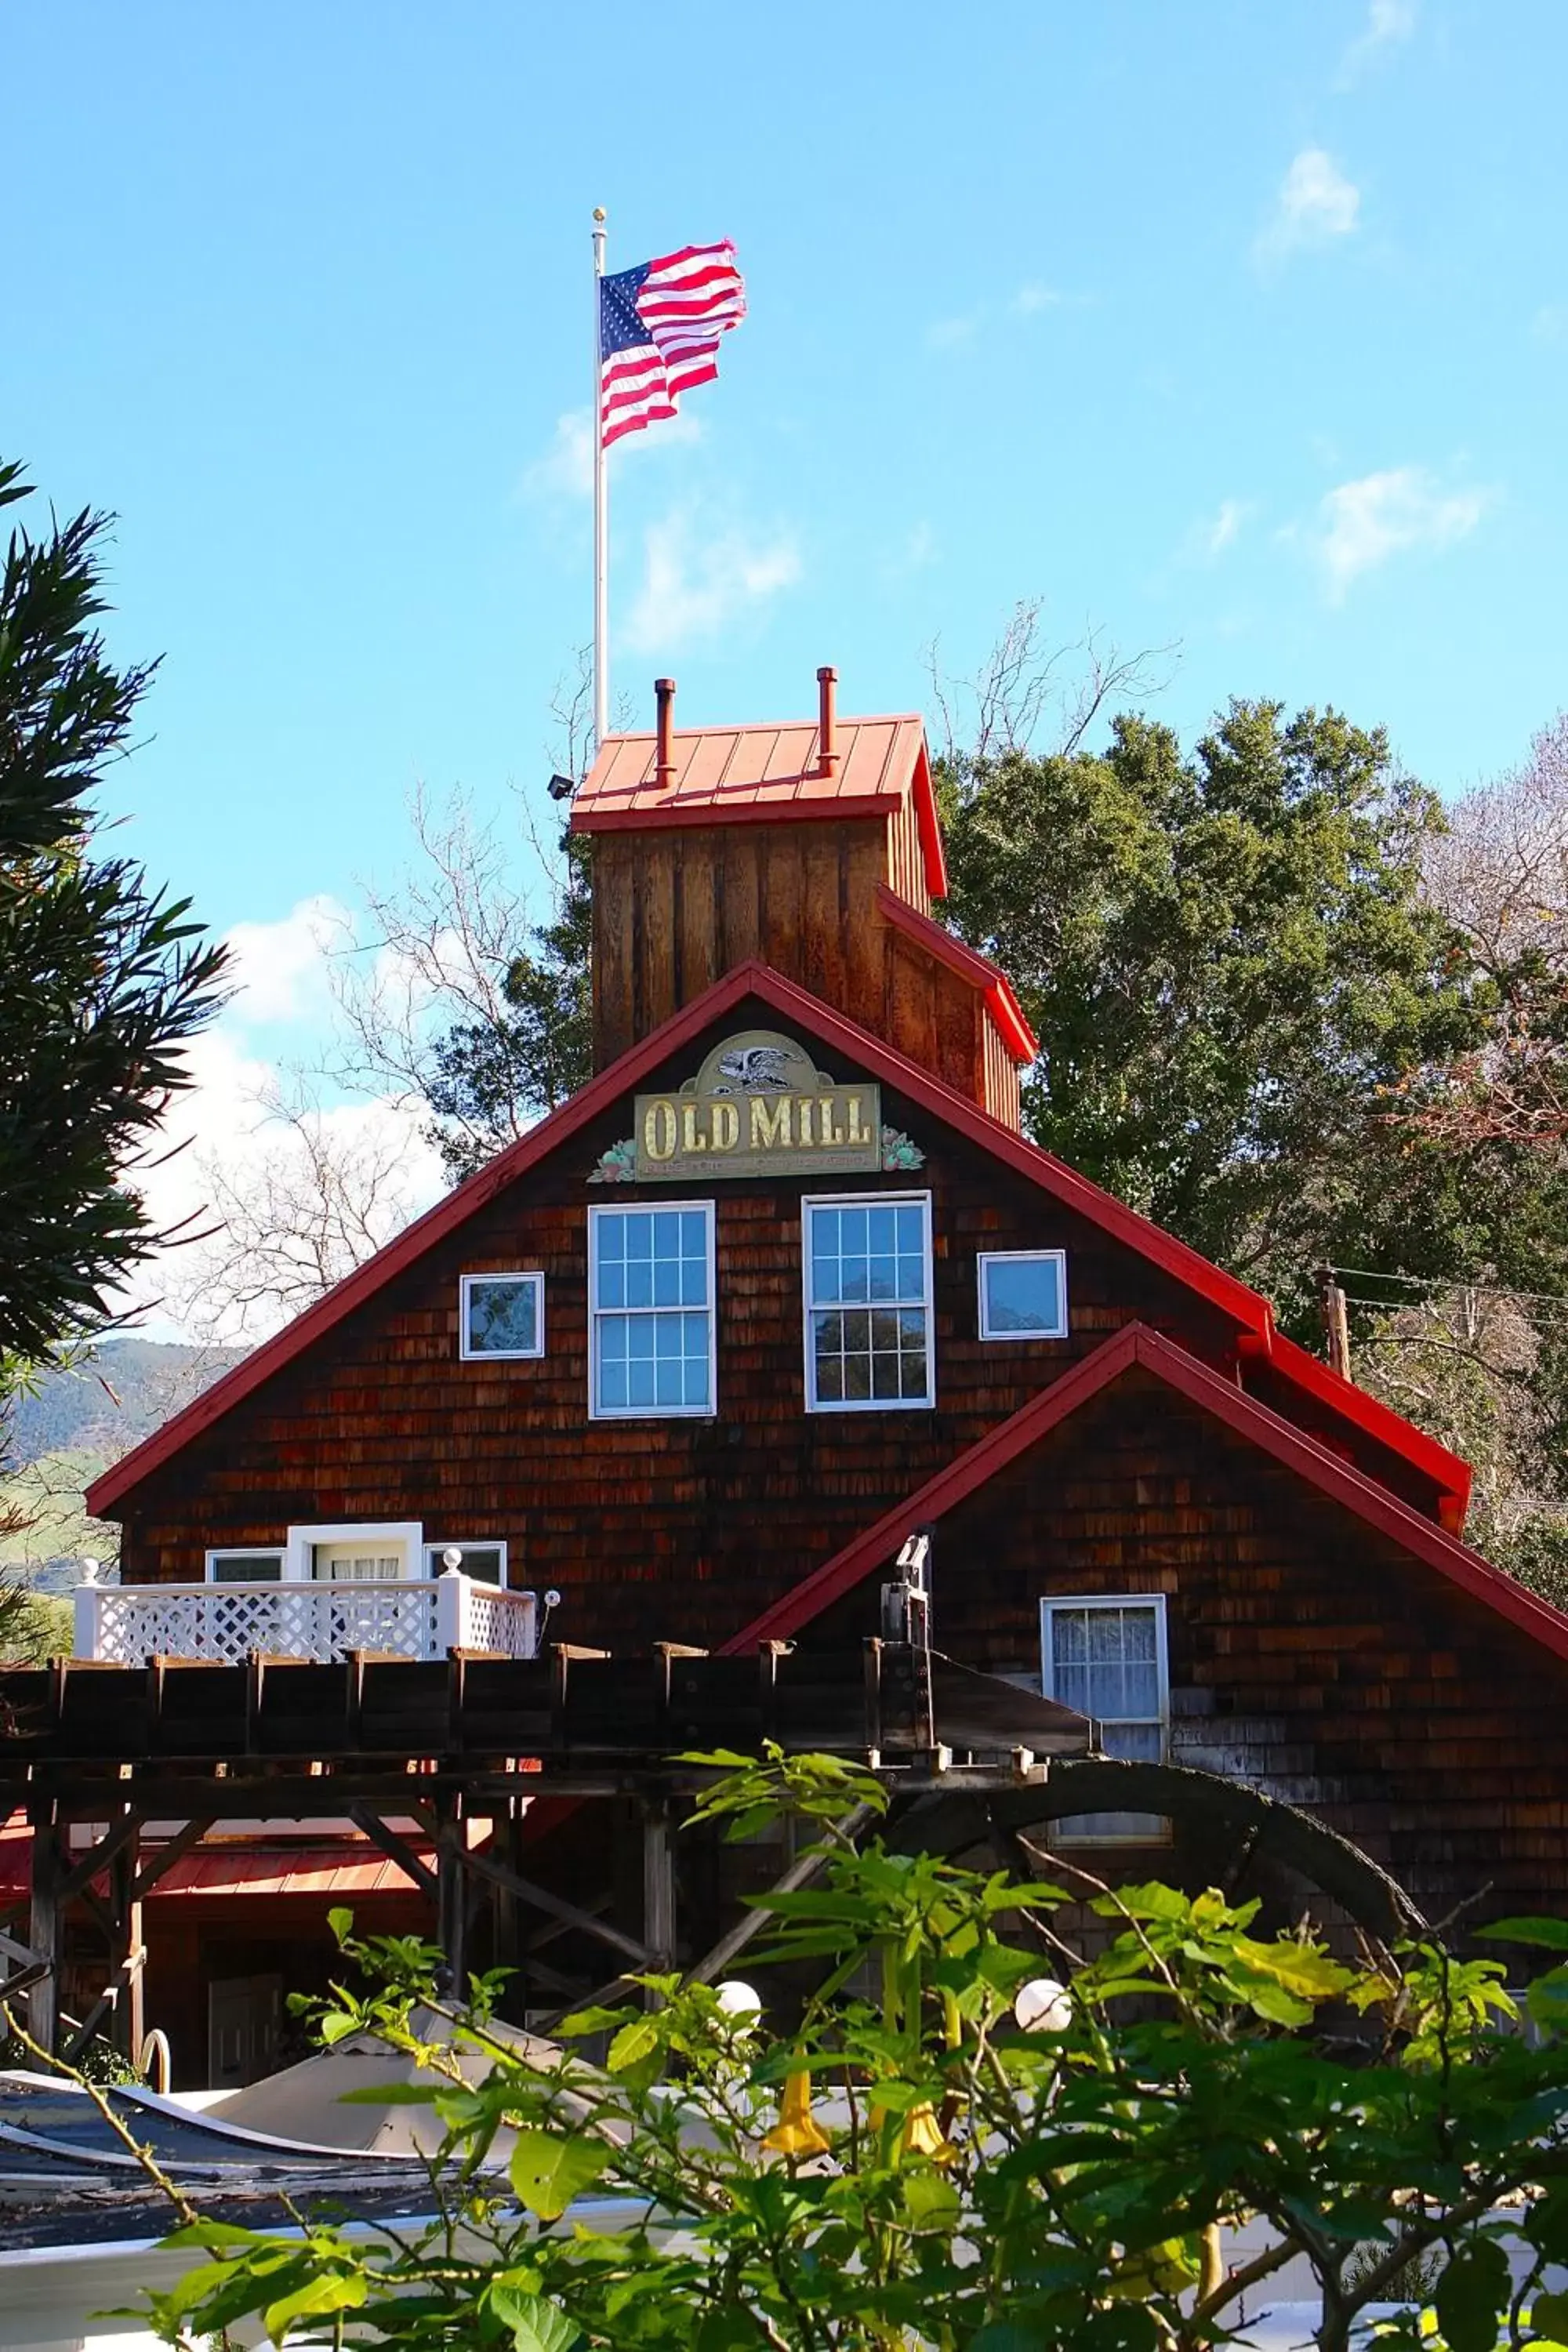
758,1107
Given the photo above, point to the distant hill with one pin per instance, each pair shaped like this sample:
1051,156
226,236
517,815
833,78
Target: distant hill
124,1392
79,1422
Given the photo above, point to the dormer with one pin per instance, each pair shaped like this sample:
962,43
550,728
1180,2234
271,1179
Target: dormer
811,846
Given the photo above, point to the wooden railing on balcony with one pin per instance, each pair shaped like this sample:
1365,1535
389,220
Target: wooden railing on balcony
223,1624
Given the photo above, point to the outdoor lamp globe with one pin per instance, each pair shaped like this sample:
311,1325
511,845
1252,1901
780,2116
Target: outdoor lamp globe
1042,2006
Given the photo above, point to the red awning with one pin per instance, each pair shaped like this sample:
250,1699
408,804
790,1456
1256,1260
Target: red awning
324,1871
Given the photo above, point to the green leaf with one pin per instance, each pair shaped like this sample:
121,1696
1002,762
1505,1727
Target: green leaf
342,1922
633,2043
1472,2290
1547,2000
548,2171
1553,1934
1548,2316
536,2326
931,2202
333,2291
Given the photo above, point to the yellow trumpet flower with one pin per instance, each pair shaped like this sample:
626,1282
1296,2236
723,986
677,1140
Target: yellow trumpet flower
796,2132
923,2136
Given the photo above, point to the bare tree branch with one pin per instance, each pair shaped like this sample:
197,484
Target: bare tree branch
1023,682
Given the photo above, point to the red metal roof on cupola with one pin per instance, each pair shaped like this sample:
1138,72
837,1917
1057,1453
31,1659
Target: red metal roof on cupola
766,774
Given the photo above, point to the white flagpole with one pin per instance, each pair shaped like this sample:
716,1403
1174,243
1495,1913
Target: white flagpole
601,514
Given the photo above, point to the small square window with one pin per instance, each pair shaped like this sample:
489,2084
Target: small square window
500,1316
1023,1295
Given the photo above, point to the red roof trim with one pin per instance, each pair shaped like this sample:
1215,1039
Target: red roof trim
1448,1472
1250,1311
1243,1413
969,964
931,851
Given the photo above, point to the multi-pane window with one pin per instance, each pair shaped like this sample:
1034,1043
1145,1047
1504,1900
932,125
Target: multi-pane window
1106,1658
867,1303
1023,1295
245,1567
500,1316
650,1301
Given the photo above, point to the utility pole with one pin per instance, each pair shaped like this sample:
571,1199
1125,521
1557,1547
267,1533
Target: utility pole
1336,1323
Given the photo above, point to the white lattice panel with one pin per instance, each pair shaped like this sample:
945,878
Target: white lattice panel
499,1621
222,1623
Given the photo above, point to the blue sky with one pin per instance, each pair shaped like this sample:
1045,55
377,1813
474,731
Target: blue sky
1237,326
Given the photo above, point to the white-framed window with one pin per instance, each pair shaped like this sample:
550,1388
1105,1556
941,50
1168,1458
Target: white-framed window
1106,1655
500,1316
652,1340
246,1564
484,1563
349,1552
1023,1294
866,1265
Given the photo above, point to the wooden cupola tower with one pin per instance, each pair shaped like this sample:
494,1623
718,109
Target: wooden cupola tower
813,847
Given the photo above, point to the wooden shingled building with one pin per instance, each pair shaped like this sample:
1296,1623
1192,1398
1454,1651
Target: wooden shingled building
785,1282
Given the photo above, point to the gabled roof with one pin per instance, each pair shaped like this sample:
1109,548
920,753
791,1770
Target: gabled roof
1248,1309
1136,1344
979,970
740,775
1251,1312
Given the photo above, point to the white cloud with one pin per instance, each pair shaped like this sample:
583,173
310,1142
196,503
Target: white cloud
566,468
1210,538
949,334
1035,297
1316,204
280,969
1389,24
1362,524
223,1131
696,583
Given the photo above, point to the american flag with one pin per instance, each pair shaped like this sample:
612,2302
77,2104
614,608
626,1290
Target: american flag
659,333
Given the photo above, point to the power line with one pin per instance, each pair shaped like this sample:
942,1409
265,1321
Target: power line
1446,1282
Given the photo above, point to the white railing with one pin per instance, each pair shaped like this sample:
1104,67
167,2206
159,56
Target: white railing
223,1623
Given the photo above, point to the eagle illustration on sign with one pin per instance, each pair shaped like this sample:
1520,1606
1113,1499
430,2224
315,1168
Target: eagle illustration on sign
755,1069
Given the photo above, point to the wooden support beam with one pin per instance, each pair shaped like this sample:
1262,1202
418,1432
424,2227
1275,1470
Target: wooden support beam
164,1858
46,1920
128,1955
396,1849
539,1899
452,1890
800,1873
87,1866
657,1883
